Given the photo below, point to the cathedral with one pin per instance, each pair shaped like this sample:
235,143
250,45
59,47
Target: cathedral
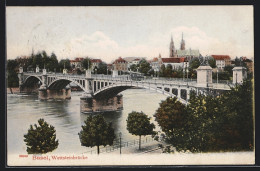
182,52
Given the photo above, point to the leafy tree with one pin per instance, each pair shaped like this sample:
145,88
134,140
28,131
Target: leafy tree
228,69
212,62
102,68
224,75
162,70
144,66
52,63
67,64
86,63
168,71
133,67
194,63
41,139
96,132
37,60
237,61
138,123
13,80
238,127
171,117
223,122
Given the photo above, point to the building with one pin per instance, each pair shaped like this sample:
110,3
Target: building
222,61
110,67
120,64
76,63
95,63
182,52
175,62
154,63
249,63
133,60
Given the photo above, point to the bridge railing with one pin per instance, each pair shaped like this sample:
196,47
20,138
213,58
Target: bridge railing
124,144
222,81
225,84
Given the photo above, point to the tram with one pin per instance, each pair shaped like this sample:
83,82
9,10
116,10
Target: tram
137,76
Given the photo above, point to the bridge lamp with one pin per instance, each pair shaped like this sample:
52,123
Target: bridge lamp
120,135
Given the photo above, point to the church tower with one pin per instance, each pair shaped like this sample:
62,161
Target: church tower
172,48
182,43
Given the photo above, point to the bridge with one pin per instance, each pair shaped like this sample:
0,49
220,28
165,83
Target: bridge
101,92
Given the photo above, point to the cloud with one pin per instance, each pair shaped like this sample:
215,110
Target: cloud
100,45
208,45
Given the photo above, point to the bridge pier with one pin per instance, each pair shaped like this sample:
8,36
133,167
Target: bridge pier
89,104
63,94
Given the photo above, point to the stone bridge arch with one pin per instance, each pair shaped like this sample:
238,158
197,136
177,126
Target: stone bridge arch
31,84
61,83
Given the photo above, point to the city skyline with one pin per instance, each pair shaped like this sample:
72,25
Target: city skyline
110,32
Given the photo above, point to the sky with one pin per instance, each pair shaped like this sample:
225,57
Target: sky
134,31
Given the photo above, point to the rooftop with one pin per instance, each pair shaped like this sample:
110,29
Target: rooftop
120,60
173,60
221,57
96,60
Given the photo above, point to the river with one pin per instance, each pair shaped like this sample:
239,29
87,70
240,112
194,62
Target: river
65,116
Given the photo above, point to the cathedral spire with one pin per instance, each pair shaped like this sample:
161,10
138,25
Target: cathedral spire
182,43
172,48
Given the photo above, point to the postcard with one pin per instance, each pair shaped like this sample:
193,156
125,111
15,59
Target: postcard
130,85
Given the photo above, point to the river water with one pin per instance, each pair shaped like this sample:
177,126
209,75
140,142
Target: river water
65,116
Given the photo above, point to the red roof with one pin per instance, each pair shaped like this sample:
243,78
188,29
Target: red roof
155,59
120,60
77,60
173,60
96,60
220,57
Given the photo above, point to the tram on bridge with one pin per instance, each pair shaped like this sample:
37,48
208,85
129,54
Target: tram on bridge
137,76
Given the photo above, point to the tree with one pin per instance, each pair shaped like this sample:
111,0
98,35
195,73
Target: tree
194,63
228,69
238,129
172,118
37,60
210,123
67,64
212,62
52,63
102,68
41,139
133,67
168,71
144,66
96,132
138,123
13,80
86,63
162,70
